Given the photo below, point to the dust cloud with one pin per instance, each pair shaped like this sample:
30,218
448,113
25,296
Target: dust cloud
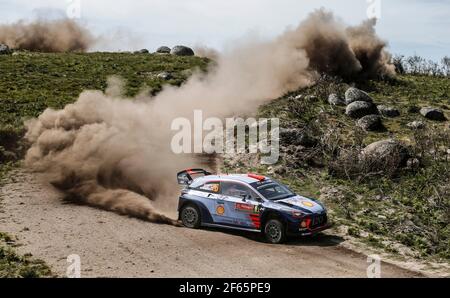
114,152
62,35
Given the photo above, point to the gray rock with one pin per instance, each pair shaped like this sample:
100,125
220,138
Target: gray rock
164,75
384,150
354,94
413,163
278,170
297,137
359,109
163,50
416,125
4,49
382,198
6,155
182,51
370,123
433,113
335,100
388,111
143,51
380,147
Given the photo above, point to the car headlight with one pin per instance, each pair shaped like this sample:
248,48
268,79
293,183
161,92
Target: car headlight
297,214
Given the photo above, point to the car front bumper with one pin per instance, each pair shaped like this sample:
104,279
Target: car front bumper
308,232
294,229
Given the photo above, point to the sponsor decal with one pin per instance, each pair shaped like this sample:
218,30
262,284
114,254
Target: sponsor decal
212,187
220,210
255,220
243,207
215,188
308,204
256,209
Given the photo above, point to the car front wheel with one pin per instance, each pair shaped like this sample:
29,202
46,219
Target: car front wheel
274,231
190,217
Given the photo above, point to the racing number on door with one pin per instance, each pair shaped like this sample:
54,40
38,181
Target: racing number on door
251,212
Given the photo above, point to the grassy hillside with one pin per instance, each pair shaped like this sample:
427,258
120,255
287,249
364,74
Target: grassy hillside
384,207
31,82
407,206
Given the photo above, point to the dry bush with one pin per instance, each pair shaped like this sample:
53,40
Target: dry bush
327,85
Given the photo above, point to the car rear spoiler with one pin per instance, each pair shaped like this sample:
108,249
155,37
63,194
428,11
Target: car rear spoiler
185,177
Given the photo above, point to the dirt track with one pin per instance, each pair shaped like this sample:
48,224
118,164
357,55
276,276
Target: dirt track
116,246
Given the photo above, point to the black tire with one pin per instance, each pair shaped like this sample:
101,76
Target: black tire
274,231
190,217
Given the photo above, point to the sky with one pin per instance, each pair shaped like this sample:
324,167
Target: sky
409,26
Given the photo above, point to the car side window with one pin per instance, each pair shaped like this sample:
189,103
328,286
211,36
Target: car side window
212,187
237,190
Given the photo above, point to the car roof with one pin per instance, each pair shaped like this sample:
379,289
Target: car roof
244,178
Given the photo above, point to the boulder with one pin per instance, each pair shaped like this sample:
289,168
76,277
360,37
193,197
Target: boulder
354,94
370,123
388,111
4,49
143,51
163,50
297,137
433,113
335,100
416,125
359,109
182,51
385,150
164,75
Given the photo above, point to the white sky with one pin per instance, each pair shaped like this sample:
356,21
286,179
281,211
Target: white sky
410,26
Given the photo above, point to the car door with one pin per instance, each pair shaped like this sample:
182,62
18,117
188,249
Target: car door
241,205
209,194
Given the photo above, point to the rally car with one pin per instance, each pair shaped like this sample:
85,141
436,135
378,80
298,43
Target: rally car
247,202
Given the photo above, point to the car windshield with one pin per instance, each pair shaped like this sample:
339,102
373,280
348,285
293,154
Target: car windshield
274,191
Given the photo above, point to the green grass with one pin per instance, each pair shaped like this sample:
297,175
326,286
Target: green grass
32,82
13,265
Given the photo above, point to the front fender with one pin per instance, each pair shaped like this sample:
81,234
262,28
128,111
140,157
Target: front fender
291,224
204,212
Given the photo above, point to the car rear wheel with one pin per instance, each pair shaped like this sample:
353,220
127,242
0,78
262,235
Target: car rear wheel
190,217
274,231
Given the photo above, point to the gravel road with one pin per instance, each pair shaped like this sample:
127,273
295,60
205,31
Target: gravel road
111,245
